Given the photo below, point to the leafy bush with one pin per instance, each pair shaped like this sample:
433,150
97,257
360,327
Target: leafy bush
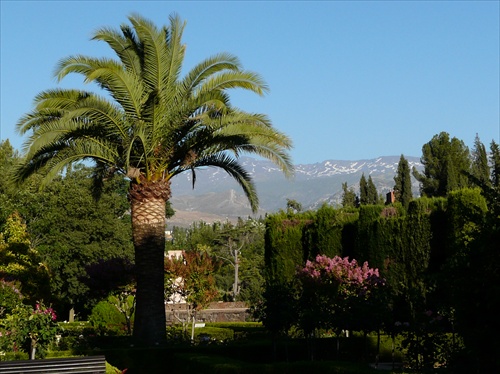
74,335
107,320
242,330
10,296
28,329
213,334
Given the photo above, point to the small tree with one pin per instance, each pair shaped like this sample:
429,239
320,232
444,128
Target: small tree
293,206
29,330
332,288
124,301
191,277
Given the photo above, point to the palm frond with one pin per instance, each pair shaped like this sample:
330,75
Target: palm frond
110,75
208,67
234,169
124,45
229,80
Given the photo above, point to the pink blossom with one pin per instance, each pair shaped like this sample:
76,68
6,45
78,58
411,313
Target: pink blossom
341,271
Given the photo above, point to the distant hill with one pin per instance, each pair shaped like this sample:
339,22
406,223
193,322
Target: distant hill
217,196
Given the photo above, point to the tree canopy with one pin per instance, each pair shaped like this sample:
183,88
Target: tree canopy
445,160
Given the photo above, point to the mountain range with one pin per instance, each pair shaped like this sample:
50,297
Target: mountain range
216,196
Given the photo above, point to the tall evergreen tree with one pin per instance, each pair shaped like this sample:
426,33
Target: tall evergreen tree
363,190
372,194
153,124
495,164
349,198
445,160
402,179
7,157
479,162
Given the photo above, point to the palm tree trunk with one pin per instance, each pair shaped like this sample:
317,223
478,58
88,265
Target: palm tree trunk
148,228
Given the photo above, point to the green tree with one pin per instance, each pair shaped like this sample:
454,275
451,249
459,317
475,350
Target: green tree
124,302
402,179
21,262
191,277
349,198
7,193
293,206
363,190
86,244
156,125
252,263
372,194
10,297
479,162
240,247
445,160
495,162
472,263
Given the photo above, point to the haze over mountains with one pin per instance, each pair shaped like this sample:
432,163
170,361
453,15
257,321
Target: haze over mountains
217,196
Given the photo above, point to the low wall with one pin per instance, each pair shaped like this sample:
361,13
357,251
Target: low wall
216,312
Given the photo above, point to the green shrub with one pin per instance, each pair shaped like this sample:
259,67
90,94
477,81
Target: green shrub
10,297
213,334
11,356
74,335
107,319
236,326
104,313
242,330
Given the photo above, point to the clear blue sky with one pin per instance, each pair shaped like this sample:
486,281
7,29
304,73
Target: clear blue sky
349,80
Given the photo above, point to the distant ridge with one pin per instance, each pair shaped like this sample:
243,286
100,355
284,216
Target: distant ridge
217,196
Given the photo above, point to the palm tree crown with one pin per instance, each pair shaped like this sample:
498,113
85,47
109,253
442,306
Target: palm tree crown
158,124
151,125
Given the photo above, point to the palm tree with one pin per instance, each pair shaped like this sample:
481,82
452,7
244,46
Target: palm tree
152,125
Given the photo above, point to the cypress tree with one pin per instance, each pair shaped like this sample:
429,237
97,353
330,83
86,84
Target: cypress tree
402,179
372,194
479,166
363,190
348,197
495,164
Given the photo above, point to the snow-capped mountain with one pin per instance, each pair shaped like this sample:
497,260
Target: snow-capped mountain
218,195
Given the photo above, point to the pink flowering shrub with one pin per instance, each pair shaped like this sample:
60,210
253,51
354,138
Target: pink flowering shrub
26,329
341,271
336,293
